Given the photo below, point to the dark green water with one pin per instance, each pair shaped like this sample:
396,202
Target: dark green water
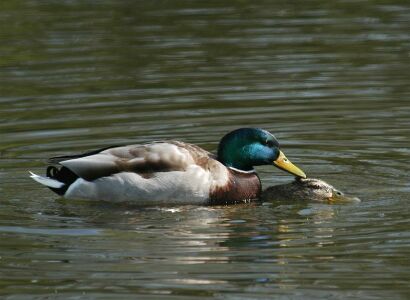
330,78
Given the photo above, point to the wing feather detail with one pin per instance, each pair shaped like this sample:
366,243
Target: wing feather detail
141,159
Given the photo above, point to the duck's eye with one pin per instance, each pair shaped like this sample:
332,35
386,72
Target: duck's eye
270,143
339,193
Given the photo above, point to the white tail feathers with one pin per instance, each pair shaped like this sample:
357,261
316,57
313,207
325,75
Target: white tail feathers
47,181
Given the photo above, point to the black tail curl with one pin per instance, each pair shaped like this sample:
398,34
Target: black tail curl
63,175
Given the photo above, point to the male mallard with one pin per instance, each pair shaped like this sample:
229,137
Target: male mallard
306,189
170,172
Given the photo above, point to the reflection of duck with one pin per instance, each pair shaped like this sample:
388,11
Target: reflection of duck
309,189
170,172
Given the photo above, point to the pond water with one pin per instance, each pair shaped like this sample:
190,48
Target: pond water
330,79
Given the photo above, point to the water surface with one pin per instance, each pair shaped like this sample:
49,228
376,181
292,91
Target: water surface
330,79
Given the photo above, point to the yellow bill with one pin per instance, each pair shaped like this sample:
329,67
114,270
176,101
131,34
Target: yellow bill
283,163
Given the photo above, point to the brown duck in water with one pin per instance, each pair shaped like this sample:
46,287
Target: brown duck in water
306,189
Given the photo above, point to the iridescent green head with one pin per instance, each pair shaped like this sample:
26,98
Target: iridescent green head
245,148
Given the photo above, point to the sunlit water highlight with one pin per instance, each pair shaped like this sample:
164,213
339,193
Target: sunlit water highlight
330,79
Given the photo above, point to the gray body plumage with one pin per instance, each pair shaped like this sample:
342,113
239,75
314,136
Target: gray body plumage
169,172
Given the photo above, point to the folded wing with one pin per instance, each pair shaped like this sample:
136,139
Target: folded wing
142,159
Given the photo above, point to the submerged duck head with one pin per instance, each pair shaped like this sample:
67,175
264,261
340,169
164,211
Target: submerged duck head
245,148
309,189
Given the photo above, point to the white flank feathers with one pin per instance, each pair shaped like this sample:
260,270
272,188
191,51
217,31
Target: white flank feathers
175,187
47,181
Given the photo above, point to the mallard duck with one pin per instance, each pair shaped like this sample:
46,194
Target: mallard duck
170,171
308,189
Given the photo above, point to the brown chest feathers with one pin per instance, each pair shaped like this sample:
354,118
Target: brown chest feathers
241,188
